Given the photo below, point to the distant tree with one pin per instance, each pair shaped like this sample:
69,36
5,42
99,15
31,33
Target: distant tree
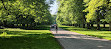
70,12
24,11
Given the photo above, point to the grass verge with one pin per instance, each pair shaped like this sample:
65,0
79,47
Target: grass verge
12,38
91,32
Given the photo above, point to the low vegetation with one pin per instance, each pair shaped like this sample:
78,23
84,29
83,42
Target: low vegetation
103,33
11,38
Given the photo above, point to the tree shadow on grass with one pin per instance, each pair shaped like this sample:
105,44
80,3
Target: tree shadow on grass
29,41
79,29
64,27
84,29
102,28
105,33
38,27
22,32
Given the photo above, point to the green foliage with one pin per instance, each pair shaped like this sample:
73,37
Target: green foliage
108,16
70,11
24,11
92,7
108,12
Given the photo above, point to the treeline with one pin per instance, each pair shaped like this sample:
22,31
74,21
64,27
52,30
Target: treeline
24,13
84,12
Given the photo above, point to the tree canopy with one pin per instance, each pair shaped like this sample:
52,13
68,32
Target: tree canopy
70,12
24,11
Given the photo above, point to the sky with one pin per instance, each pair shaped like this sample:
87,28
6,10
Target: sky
54,8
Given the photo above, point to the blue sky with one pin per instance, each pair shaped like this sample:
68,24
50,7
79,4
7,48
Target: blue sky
54,8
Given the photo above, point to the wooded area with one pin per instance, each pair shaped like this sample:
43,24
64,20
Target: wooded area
84,12
21,13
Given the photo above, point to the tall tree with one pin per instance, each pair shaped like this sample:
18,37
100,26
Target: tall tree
70,12
24,11
108,13
93,9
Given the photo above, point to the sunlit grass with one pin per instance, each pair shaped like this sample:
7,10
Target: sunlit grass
101,25
91,32
12,38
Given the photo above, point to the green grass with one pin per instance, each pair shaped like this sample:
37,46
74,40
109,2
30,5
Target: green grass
101,25
12,38
91,32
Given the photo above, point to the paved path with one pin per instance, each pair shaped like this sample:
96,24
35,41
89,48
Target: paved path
72,40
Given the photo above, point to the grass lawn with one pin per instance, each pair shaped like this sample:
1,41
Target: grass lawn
101,25
91,32
13,38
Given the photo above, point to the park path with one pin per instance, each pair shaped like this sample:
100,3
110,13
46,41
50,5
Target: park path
72,40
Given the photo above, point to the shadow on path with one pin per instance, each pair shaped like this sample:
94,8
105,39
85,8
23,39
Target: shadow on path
72,40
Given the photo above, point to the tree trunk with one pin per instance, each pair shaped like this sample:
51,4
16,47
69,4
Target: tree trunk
72,24
5,23
1,23
75,25
12,25
98,23
110,26
27,25
79,25
98,26
16,25
32,25
92,25
104,25
68,24
83,25
23,24
88,26
84,20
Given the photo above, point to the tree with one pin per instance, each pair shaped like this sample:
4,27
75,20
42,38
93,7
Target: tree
70,12
93,9
24,11
108,15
